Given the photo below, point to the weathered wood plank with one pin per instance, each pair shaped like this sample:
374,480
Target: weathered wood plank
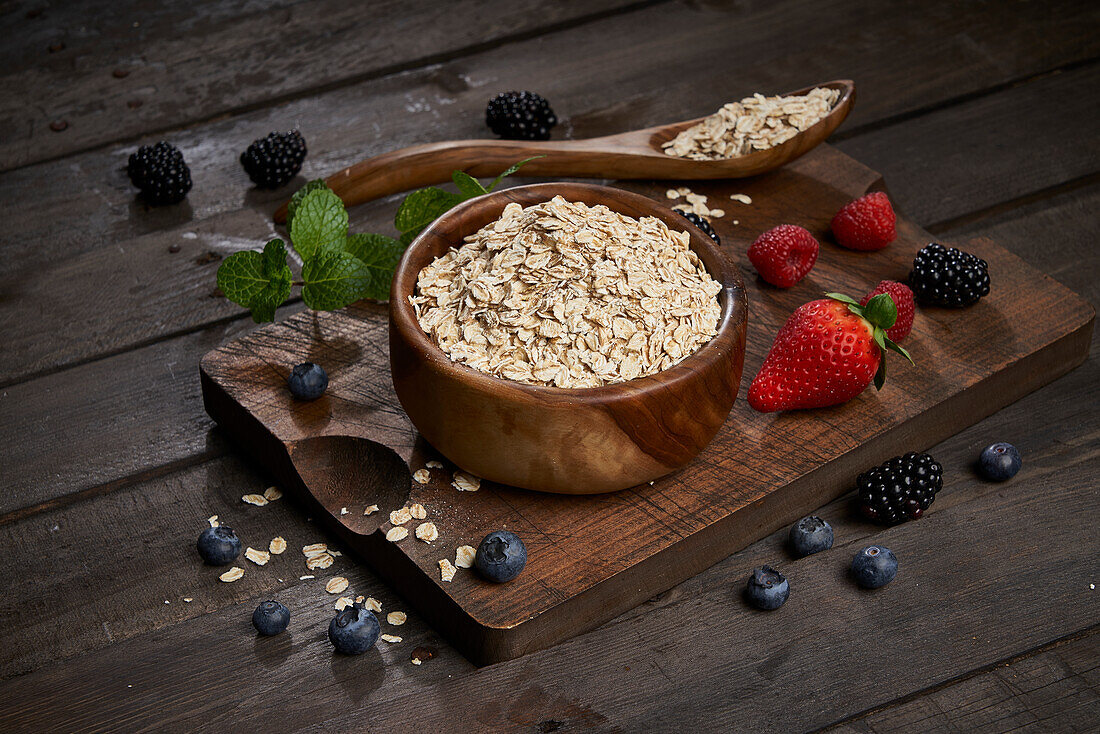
137,282
1057,689
232,62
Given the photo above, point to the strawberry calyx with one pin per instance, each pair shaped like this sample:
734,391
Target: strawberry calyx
880,312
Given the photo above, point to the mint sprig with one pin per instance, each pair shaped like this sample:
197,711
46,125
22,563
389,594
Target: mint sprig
338,268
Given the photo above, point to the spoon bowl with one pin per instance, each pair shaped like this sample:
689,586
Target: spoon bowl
635,154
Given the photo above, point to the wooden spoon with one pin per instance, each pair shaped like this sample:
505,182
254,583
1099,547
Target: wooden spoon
635,154
346,471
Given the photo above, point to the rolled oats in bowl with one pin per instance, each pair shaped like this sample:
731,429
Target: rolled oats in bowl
568,295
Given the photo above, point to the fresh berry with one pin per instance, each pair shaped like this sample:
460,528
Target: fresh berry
903,301
899,490
945,276
810,535
307,381
874,566
784,254
866,223
353,630
270,618
702,224
501,556
767,588
999,462
825,354
219,546
520,116
161,174
272,161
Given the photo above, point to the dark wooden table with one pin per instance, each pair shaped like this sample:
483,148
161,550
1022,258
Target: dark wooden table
982,118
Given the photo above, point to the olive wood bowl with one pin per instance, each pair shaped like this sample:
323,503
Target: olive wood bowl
550,439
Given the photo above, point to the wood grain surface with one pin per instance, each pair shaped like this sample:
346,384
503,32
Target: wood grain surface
592,558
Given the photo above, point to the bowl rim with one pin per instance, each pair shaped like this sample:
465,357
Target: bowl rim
732,320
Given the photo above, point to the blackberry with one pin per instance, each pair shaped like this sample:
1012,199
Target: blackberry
899,490
160,172
702,224
272,161
945,276
520,116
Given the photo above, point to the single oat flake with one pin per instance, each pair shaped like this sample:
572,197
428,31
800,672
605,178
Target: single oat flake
315,549
400,517
272,494
188,599
446,570
396,534
427,532
434,464
464,482
743,198
391,638
318,562
396,618
213,520
372,604
336,584
255,499
306,577
418,511
258,557
422,476
232,574
371,510
464,556
277,545
343,510
343,602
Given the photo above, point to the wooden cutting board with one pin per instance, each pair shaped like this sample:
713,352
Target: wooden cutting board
593,557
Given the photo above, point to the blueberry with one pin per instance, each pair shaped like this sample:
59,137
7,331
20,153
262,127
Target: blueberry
219,546
810,535
308,381
874,566
270,618
767,589
999,462
354,630
501,556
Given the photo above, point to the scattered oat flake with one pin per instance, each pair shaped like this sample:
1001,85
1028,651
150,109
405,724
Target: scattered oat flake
360,599
324,560
315,549
433,464
464,556
335,553
336,584
277,545
371,510
343,602
343,510
188,599
307,576
464,482
427,532
372,604
418,511
743,198
213,520
396,618
258,557
446,570
391,638
272,494
416,661
255,499
672,194
683,191
422,476
396,534
719,213
232,574
400,517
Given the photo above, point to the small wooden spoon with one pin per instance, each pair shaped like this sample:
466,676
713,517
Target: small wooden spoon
635,154
346,471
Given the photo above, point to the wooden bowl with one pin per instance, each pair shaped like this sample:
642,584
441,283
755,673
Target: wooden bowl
570,441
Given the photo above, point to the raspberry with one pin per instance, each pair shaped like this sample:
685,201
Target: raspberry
944,276
899,490
784,254
520,116
903,299
702,224
272,161
161,174
866,223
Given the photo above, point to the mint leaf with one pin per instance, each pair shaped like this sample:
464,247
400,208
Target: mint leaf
468,185
421,208
512,169
380,254
320,224
258,281
333,280
296,200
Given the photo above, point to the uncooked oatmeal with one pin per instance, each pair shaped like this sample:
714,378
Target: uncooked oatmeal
754,123
567,295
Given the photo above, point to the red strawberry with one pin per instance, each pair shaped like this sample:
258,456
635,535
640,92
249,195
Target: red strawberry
903,300
826,354
784,254
866,223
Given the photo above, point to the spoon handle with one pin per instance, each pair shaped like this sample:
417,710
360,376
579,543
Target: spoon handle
432,163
